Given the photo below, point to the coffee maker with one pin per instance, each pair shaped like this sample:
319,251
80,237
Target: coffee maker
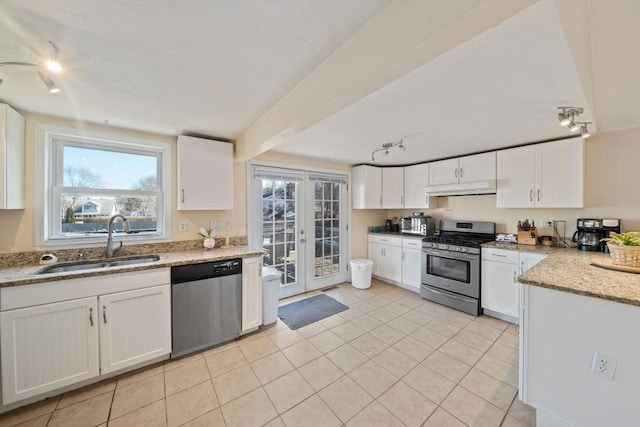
590,232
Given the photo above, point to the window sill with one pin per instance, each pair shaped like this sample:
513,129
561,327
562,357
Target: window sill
91,242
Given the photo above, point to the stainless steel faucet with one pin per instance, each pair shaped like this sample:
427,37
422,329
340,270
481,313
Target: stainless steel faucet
110,250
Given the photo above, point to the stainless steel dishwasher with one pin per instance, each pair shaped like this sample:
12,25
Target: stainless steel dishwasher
206,304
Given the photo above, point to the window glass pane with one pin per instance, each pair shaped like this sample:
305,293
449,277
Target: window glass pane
278,191
267,188
96,168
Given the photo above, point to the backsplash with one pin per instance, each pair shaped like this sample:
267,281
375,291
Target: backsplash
13,259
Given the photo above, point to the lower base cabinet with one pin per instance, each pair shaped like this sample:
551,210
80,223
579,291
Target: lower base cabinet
49,346
251,294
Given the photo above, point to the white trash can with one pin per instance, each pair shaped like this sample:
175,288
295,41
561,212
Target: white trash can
361,273
270,293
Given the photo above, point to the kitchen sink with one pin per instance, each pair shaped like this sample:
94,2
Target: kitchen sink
86,265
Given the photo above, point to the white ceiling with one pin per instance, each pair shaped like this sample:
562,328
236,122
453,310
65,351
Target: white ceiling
214,68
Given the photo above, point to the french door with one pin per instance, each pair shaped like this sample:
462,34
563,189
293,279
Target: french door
299,219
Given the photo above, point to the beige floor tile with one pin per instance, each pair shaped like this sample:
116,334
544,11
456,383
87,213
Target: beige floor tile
30,412
508,339
258,348
150,415
176,363
93,390
347,357
313,412
332,321
276,422
373,378
471,409
395,362
352,313
433,386
482,330
473,340
253,336
505,353
252,409
492,322
320,372
513,329
369,345
510,421
411,301
224,361
397,308
523,413
87,413
139,374
364,306
387,334
277,326
498,369
462,352
40,421
444,327
186,376
375,415
403,325
378,300
210,419
456,317
382,314
411,407
441,418
345,398
271,367
191,403
446,366
287,391
219,348
366,322
431,308
413,348
285,337
348,331
429,337
418,317
234,384
311,330
137,395
301,353
326,341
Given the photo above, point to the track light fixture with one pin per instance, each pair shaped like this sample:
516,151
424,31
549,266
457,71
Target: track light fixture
568,115
584,132
385,148
52,66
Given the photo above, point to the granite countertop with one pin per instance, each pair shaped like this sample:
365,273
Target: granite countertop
570,270
397,234
25,275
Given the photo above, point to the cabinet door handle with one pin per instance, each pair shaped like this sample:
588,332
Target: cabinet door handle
402,200
182,195
538,194
104,314
514,277
499,255
522,267
460,172
91,316
455,172
380,200
531,195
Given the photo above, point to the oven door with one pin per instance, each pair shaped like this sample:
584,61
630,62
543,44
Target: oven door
451,271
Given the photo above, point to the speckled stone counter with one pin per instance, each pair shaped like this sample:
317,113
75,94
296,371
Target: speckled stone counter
570,270
26,274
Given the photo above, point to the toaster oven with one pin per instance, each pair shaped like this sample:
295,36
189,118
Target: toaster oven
417,224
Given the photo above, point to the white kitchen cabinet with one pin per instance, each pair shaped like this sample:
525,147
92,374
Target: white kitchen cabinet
411,261
548,175
48,346
12,158
366,187
386,254
135,326
251,294
416,180
474,168
393,188
529,259
205,174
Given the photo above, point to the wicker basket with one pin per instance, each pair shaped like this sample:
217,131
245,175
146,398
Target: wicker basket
628,256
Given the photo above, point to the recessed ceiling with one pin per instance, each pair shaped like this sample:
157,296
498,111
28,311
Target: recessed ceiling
209,68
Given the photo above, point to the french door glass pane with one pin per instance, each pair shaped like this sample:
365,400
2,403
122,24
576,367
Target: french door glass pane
279,227
327,224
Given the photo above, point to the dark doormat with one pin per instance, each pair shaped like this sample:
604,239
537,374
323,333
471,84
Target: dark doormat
304,312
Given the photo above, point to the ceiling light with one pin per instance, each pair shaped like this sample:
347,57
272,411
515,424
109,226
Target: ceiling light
573,126
568,115
51,85
53,65
584,131
385,149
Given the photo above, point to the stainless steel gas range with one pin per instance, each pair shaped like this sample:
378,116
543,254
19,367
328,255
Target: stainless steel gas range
451,264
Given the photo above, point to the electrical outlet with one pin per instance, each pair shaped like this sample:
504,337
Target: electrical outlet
216,225
182,226
603,365
546,223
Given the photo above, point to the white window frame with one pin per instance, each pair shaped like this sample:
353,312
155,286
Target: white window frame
48,175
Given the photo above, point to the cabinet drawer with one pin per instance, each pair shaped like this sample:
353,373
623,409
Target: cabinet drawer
501,255
387,240
412,243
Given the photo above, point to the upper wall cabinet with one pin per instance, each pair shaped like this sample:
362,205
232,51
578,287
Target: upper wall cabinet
549,175
393,188
416,180
11,158
367,187
478,167
205,174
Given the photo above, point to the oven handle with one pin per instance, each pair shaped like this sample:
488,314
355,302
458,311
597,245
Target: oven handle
451,255
451,296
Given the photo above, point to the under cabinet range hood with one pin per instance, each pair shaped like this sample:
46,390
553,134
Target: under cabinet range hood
463,188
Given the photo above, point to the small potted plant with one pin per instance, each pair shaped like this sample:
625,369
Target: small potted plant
209,242
625,248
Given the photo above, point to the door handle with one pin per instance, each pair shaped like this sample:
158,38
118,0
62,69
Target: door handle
538,194
380,200
402,200
455,172
514,277
303,241
460,172
531,195
182,195
104,314
91,316
522,267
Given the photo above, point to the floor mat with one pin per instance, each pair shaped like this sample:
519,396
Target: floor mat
304,312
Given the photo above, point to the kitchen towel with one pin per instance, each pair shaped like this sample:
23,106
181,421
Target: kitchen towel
304,312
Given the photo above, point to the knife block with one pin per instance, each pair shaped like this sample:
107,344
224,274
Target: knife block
529,237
